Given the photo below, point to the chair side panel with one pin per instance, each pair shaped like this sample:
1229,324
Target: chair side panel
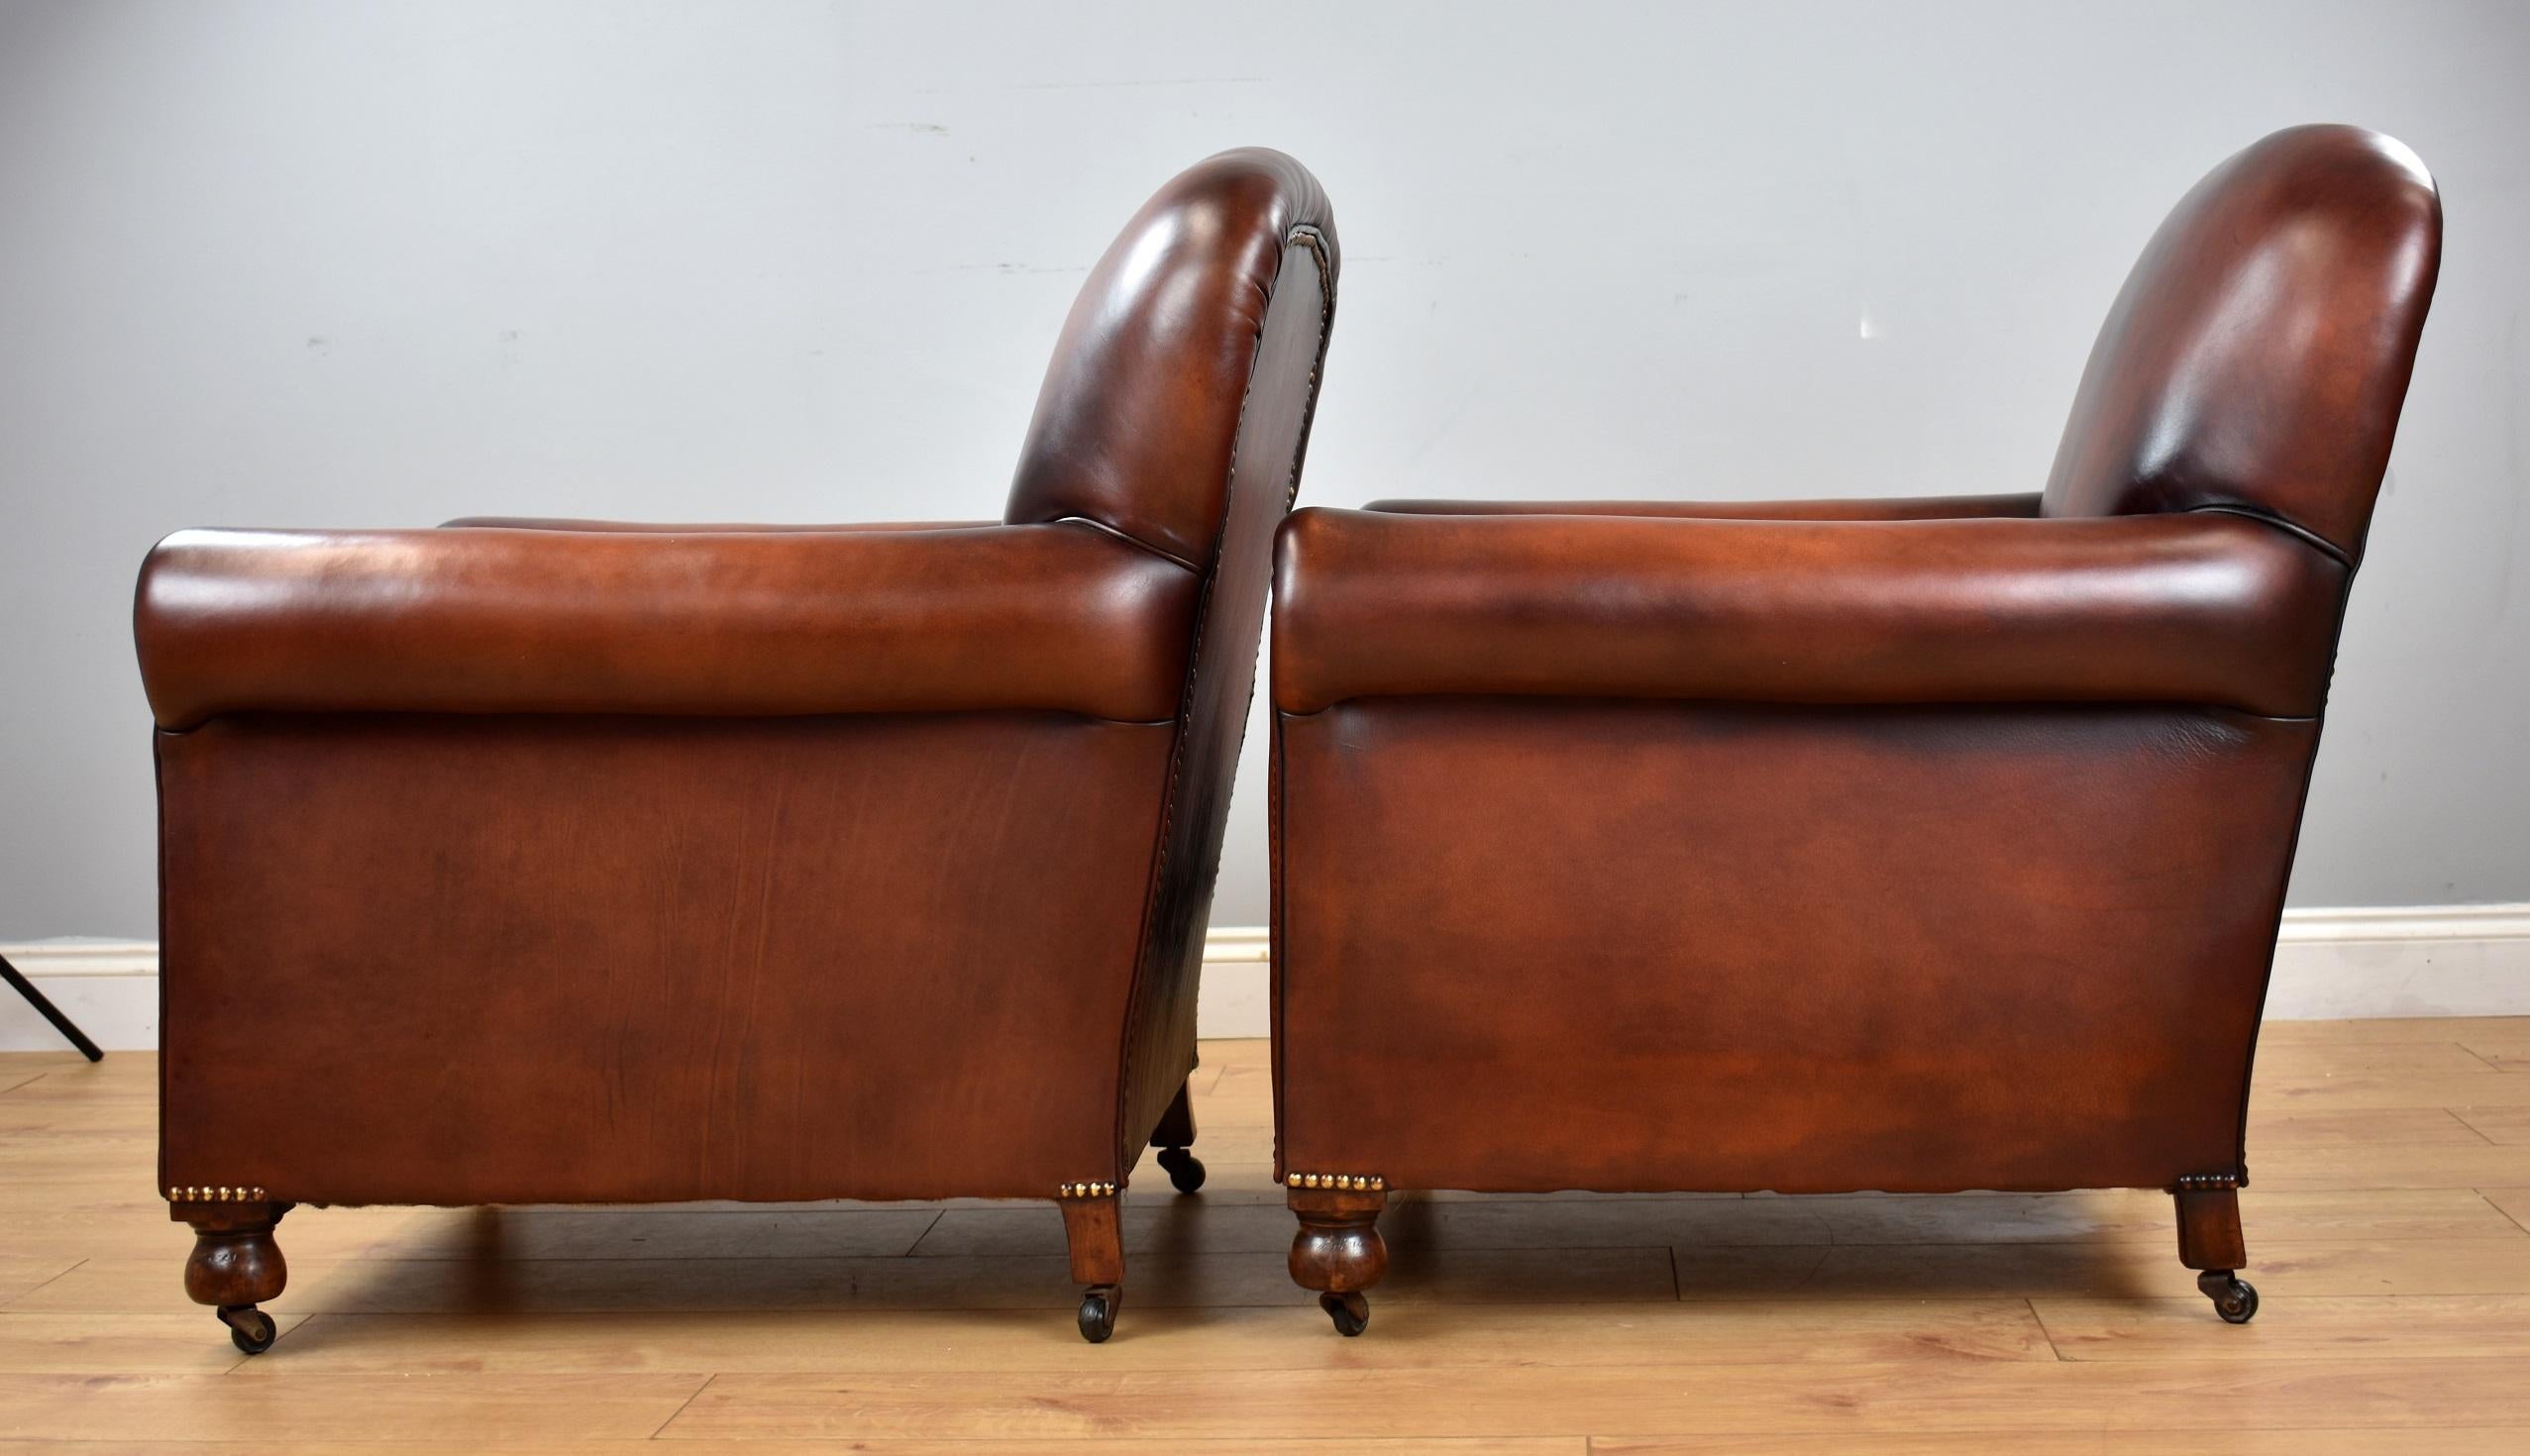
459,960
1638,946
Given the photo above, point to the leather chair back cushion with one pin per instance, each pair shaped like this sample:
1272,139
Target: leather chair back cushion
2259,354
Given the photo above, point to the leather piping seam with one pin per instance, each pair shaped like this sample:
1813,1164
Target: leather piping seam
2292,852
1136,542
1277,939
2304,534
1769,702
158,787
1302,235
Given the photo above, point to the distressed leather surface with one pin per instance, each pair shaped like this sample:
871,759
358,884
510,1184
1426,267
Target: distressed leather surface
544,860
723,624
1916,845
2203,608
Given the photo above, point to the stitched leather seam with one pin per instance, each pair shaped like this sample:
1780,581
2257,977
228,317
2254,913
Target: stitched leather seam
1303,235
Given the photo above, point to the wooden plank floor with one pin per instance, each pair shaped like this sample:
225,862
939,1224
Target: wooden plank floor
2386,1232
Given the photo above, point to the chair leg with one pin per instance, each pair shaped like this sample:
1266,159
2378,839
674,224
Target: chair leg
1094,1234
236,1265
1174,1135
2209,1241
1338,1251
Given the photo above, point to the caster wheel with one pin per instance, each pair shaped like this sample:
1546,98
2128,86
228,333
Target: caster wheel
1098,1315
250,1328
2235,1299
1352,1313
1184,1168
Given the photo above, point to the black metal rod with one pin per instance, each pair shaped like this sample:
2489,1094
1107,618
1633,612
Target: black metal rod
51,1013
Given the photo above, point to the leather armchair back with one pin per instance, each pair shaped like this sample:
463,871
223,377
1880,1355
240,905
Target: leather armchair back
2258,355
1175,414
1144,401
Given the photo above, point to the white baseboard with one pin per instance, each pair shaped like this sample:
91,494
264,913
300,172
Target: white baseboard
108,988
2330,965
2415,960
1237,982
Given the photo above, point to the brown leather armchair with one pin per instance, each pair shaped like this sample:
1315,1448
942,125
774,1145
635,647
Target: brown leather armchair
1913,845
560,862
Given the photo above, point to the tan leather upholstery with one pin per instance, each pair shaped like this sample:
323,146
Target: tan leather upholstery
1643,946
1143,404
2188,608
2260,352
540,859
1059,617
602,958
1825,846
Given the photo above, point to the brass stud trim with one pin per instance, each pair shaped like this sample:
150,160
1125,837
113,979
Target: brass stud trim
2195,1183
216,1194
1085,1191
1348,1182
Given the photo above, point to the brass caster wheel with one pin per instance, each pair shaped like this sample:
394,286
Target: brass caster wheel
250,1328
1185,1170
1352,1313
2235,1299
1097,1314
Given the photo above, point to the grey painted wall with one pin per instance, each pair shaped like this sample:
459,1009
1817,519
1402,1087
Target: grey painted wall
311,263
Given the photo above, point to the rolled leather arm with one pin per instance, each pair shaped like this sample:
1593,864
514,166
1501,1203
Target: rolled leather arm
1056,617
1896,509
2199,608
686,528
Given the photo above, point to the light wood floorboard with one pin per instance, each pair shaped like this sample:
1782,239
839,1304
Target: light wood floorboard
2389,1226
